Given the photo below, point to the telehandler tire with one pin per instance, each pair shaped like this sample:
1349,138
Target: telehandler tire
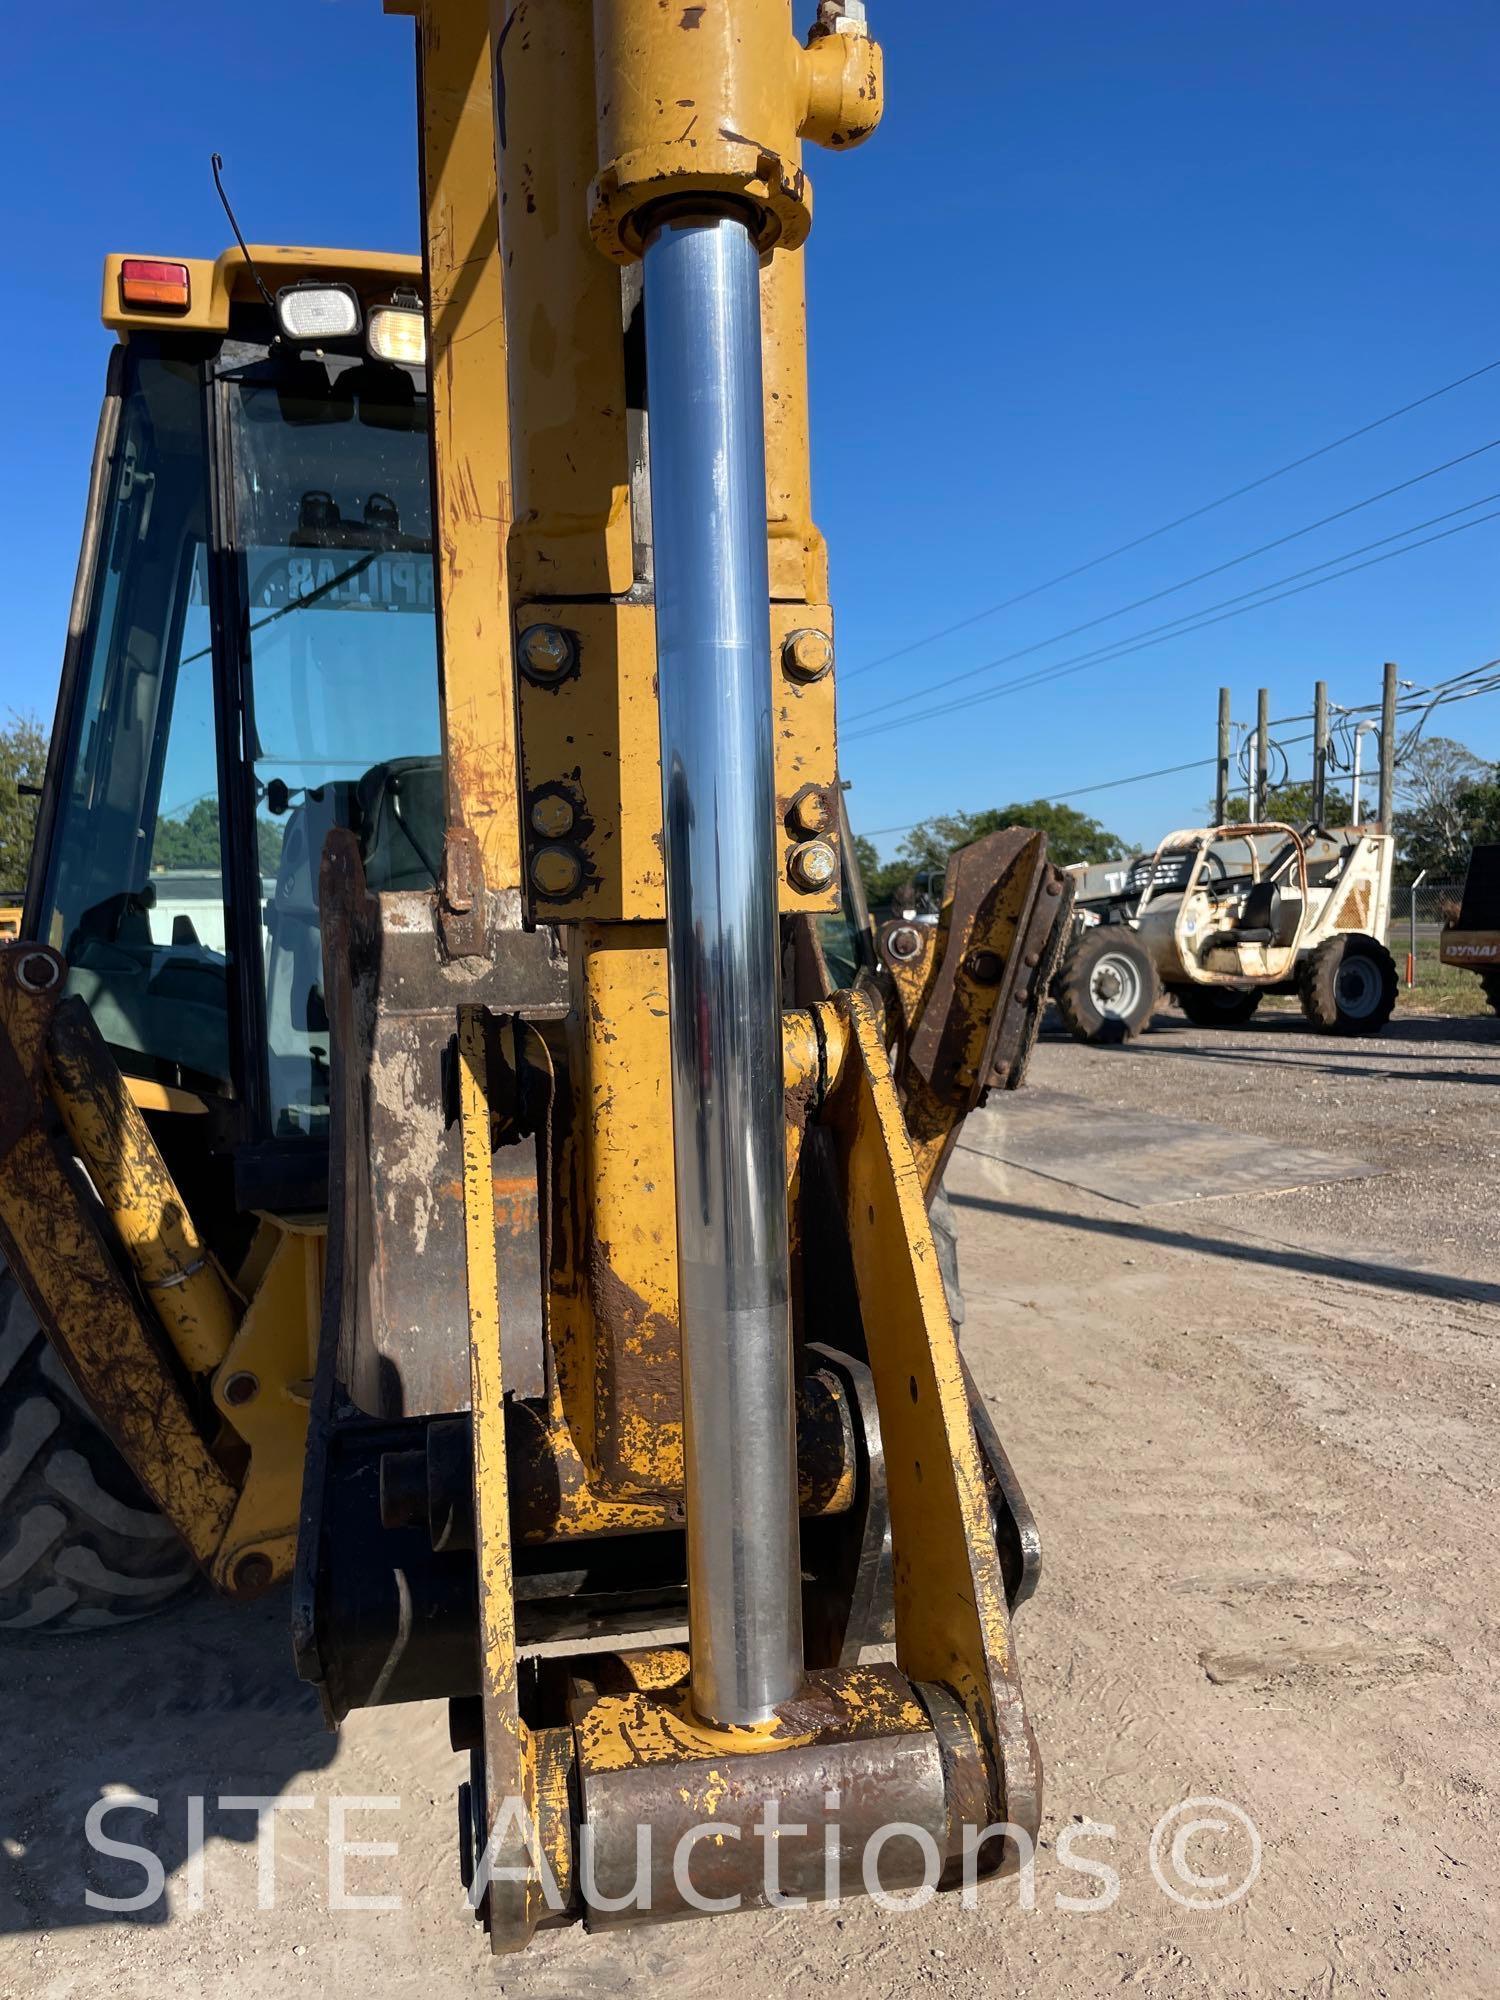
81,1546
1348,985
1108,988
1490,981
1216,1006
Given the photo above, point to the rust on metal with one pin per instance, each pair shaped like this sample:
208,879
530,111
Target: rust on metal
392,993
952,1618
145,1206
514,1900
1004,916
594,737
471,494
853,1749
52,1233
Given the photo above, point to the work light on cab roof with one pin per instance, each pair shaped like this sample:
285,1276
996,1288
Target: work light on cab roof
398,332
317,311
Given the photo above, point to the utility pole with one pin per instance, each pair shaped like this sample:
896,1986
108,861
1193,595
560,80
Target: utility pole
1262,734
1320,751
1388,747
1365,728
1221,788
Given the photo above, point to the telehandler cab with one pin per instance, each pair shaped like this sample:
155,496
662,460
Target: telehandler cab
461,1140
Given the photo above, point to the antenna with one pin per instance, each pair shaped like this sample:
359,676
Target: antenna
216,161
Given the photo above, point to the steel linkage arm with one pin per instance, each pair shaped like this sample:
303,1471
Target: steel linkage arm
971,990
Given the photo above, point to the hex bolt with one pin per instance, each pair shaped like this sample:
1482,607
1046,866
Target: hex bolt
241,1387
547,653
552,815
904,943
810,812
556,872
813,865
806,655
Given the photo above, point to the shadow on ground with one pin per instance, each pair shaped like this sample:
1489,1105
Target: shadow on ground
1482,1030
200,1700
1284,1041
1391,1277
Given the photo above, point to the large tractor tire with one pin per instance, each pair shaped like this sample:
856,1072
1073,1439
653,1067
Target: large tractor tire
1490,981
1107,989
1217,1006
1348,985
81,1546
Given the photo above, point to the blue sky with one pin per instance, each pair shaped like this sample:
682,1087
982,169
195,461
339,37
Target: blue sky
1100,265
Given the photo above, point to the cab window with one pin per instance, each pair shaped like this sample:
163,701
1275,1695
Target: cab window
135,894
333,541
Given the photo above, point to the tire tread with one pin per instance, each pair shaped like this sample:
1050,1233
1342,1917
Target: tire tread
81,1546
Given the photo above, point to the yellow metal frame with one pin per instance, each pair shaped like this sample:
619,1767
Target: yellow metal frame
217,283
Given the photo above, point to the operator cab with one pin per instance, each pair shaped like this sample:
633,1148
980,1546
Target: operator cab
252,662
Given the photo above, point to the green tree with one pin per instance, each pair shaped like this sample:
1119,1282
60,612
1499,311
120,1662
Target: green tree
1292,803
1071,836
189,841
23,763
1445,802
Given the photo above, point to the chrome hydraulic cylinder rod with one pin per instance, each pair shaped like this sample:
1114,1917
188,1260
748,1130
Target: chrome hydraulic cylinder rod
708,507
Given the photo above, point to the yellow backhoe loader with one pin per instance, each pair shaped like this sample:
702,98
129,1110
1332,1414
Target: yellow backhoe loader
464,1149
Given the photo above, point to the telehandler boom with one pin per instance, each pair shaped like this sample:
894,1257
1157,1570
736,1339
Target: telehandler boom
458,1127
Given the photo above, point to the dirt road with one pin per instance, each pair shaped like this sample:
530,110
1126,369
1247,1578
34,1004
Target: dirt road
1260,1437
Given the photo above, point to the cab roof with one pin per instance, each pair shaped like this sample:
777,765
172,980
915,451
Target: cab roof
214,284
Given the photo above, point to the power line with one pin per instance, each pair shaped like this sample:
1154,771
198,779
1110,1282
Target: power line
1455,692
1171,589
1191,622
1141,777
1195,621
1152,534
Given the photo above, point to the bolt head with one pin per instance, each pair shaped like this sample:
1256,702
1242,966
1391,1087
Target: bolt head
38,972
552,816
904,943
547,652
813,865
807,655
253,1573
810,811
556,872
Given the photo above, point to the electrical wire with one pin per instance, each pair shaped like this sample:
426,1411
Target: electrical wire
1447,692
1198,621
1275,759
1153,534
1171,589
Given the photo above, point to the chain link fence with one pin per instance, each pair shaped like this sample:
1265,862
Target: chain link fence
1417,919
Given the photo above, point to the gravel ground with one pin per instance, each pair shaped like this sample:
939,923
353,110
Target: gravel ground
1260,1437
1413,1101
